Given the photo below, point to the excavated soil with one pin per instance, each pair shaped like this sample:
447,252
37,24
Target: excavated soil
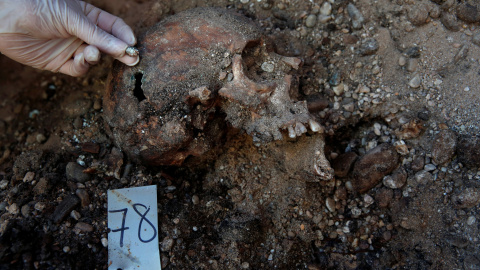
395,83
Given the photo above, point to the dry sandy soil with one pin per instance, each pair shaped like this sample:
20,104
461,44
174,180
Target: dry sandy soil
395,83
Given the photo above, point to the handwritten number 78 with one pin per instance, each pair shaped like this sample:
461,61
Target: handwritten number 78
142,218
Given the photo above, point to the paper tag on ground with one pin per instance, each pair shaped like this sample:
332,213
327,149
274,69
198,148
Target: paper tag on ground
133,235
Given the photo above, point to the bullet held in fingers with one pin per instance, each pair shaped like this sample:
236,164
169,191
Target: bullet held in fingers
131,51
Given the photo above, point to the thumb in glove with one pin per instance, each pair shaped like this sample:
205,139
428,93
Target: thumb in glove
62,35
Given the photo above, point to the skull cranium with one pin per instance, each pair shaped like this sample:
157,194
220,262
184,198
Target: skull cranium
196,65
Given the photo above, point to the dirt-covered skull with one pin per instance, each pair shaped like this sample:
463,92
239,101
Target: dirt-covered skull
198,68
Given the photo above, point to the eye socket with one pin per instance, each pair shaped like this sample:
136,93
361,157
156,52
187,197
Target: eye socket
138,91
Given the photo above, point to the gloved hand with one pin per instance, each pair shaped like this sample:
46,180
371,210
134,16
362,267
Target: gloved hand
62,35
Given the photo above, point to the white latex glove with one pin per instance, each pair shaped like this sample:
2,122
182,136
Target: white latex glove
62,35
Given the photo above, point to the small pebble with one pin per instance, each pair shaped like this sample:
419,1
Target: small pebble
364,89
311,20
13,209
450,21
40,138
75,215
415,82
3,184
25,210
444,146
330,203
476,39
429,167
39,206
84,197
402,61
368,200
268,67
412,65
370,169
423,177
471,220
369,47
418,14
467,198
326,9
83,227
195,199
356,15
396,180
104,242
339,89
343,163
66,249
166,244
29,176
468,13
75,172
401,147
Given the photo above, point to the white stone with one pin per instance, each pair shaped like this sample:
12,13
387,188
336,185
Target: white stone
311,20
13,209
415,82
330,203
268,66
3,184
104,242
326,9
339,89
471,220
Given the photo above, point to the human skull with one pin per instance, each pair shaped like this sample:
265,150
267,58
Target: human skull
196,66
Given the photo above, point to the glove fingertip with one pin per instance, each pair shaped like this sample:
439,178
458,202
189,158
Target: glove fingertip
91,55
79,66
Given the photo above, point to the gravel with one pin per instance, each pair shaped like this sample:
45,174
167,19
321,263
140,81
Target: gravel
242,199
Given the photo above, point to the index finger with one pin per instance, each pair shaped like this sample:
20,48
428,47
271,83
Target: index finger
109,23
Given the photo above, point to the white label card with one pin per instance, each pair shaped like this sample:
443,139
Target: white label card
133,224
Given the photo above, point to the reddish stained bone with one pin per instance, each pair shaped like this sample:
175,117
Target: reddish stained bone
178,55
166,108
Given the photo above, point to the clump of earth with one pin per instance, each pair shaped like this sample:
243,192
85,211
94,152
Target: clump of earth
394,85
